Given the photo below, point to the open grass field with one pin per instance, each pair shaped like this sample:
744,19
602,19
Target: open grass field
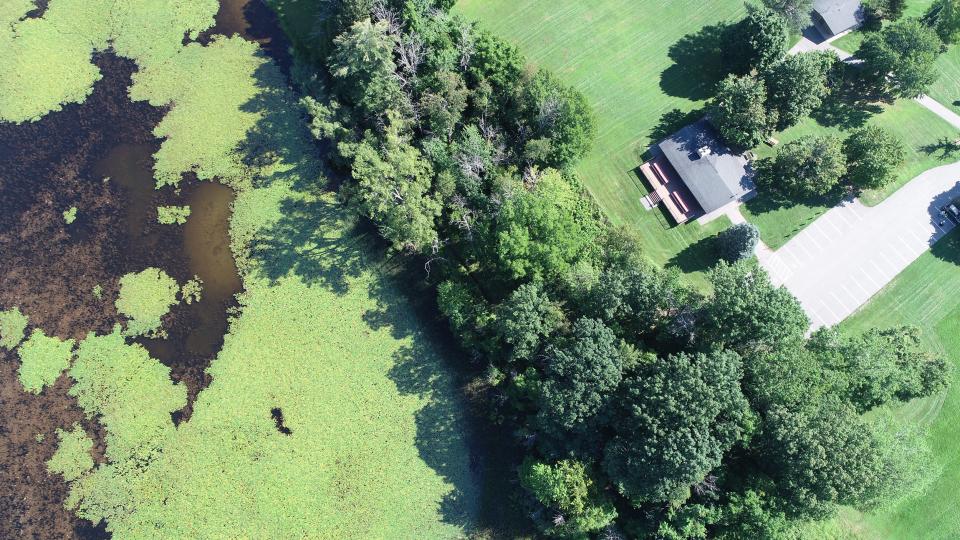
918,128
617,52
925,294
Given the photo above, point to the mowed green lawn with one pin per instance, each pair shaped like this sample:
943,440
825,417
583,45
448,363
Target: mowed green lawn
616,53
917,127
926,295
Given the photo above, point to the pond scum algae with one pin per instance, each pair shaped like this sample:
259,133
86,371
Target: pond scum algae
373,442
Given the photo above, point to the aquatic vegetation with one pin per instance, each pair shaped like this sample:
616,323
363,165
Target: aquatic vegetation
145,297
47,61
222,108
72,458
371,443
173,215
70,215
13,324
42,360
192,290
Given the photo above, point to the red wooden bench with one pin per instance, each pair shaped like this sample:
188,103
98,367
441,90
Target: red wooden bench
656,168
676,198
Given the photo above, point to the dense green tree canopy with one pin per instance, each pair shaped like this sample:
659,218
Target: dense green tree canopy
566,488
561,121
747,311
580,374
739,111
805,167
527,319
393,188
898,60
873,157
797,85
944,17
795,12
756,42
677,418
540,231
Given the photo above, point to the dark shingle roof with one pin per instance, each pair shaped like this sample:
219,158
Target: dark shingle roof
715,178
838,15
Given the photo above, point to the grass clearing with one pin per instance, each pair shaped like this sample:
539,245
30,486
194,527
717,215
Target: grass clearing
617,52
918,128
924,295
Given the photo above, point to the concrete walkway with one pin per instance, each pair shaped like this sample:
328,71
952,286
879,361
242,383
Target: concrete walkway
937,108
851,252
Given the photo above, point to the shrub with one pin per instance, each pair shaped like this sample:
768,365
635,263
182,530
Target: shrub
70,215
738,242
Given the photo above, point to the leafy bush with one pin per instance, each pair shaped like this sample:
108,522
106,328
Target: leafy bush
42,360
145,297
738,242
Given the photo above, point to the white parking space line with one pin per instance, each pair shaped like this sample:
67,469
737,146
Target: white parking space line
848,254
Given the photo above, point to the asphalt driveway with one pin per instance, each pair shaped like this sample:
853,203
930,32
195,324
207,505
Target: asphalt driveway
847,255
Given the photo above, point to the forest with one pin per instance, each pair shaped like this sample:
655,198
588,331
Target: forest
351,283
644,407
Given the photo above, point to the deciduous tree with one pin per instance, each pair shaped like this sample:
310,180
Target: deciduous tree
739,111
795,12
898,60
806,167
797,85
873,157
677,419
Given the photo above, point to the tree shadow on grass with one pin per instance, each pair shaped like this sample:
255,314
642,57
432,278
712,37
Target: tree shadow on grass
672,121
442,433
309,241
947,148
698,256
847,106
697,63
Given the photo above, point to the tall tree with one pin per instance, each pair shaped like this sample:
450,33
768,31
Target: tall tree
898,60
580,374
678,418
392,187
795,12
738,242
526,320
559,118
825,455
748,312
739,111
806,167
540,232
362,66
873,157
566,488
798,84
944,17
756,42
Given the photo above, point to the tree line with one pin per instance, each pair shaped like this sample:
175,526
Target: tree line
644,407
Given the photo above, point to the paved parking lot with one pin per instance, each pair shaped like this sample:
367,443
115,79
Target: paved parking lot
847,255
